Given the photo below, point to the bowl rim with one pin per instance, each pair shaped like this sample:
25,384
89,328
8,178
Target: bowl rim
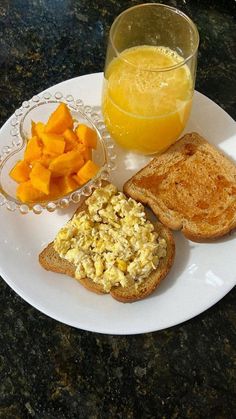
92,114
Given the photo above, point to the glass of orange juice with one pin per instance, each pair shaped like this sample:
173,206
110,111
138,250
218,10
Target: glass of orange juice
149,77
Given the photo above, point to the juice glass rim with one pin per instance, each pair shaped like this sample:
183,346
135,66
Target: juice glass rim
164,6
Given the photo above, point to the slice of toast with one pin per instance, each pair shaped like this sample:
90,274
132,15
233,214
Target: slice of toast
50,260
190,187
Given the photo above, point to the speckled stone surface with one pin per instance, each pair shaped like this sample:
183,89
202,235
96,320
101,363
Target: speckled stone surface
49,370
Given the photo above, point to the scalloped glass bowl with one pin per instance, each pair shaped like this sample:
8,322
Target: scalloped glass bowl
38,109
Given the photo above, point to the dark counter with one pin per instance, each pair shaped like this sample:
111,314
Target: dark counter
52,371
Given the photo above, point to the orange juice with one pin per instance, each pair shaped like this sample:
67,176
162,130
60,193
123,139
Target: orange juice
147,97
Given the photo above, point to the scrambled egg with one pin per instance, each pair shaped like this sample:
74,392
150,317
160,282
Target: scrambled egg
112,242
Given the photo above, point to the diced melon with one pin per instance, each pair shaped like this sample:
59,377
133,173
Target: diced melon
38,129
45,160
20,172
71,139
87,136
87,154
66,163
59,120
54,189
81,181
33,132
40,178
27,193
60,186
33,150
67,184
88,171
53,144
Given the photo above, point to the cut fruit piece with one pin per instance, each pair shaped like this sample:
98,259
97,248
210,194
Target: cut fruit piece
61,186
33,150
40,178
87,136
20,172
54,189
53,144
37,129
88,171
45,160
87,154
27,193
71,139
67,163
59,120
67,184
79,180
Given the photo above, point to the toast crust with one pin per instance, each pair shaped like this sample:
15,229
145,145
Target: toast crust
51,261
190,187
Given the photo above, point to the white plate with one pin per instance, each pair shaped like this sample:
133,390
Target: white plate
202,273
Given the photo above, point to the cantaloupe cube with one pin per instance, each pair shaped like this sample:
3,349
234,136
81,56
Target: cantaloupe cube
40,178
67,184
71,139
59,120
33,133
45,160
27,193
54,189
37,129
53,144
60,186
66,163
20,172
88,171
33,150
81,181
87,136
87,154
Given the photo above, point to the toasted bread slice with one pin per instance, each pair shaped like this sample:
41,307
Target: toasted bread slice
190,187
50,260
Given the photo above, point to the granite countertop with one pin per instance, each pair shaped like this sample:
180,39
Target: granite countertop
52,371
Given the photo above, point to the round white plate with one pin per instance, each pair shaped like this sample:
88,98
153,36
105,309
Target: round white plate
202,273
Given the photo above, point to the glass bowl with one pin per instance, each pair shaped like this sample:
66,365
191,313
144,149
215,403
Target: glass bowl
38,109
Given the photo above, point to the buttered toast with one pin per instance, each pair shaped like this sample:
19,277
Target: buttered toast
190,187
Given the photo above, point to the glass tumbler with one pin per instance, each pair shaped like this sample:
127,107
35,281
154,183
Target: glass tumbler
149,77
